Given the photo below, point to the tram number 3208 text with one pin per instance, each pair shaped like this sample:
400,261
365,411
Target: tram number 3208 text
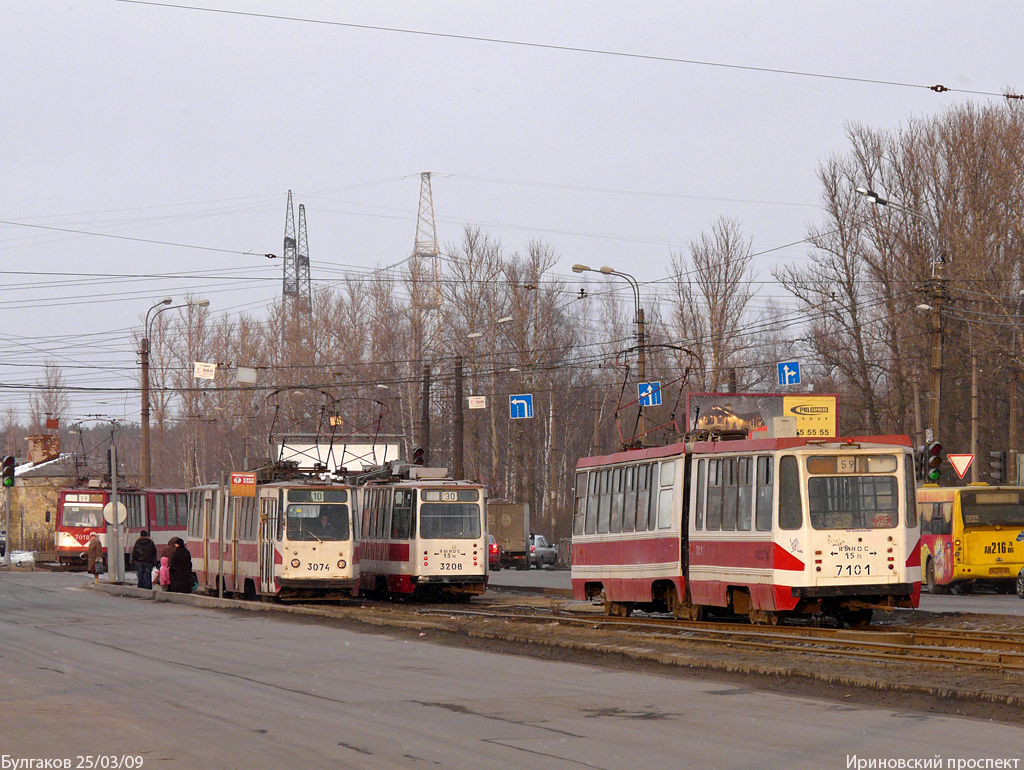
449,566
852,570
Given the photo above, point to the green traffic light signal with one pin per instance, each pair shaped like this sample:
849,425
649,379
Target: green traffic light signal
933,462
8,471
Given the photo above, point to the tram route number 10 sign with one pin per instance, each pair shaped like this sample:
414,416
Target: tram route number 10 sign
243,485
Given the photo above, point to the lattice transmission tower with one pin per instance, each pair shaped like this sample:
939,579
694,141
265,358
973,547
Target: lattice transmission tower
426,250
296,281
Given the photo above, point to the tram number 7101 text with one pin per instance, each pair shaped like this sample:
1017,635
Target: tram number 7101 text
852,570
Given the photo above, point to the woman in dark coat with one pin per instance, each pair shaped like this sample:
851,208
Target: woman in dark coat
181,569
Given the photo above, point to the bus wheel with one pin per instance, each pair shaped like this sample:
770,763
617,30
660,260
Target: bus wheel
1020,584
933,587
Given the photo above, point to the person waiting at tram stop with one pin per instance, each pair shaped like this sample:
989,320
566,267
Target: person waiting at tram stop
164,574
144,557
94,554
181,568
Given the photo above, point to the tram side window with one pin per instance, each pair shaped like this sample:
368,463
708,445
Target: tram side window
666,497
593,499
910,490
172,514
643,495
728,474
714,512
698,495
618,497
765,490
401,514
604,508
790,507
579,516
744,494
629,502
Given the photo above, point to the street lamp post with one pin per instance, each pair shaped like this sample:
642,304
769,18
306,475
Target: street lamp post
458,415
938,293
641,344
164,304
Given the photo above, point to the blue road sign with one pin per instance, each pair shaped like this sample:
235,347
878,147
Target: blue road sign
520,406
649,393
789,373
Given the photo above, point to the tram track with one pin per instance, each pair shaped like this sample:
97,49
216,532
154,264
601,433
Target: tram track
979,650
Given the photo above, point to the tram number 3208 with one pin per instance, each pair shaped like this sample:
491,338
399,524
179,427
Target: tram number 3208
450,566
852,570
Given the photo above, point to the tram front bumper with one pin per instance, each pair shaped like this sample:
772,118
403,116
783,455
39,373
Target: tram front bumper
876,589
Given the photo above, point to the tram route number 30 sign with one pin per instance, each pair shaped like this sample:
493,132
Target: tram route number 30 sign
243,485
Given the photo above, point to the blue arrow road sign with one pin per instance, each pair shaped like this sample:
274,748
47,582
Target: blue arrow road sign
520,406
789,373
649,393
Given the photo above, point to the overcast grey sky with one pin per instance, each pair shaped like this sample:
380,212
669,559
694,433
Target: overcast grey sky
169,124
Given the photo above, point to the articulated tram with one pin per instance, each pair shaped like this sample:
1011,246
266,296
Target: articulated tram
290,540
765,528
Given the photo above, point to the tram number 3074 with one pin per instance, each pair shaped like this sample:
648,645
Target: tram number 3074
852,570
315,567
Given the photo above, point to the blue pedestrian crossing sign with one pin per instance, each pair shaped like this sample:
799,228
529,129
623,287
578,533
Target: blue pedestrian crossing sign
649,393
520,406
789,373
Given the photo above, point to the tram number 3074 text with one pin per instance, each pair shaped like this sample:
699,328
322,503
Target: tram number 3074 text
852,570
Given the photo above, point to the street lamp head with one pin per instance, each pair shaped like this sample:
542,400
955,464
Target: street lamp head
872,196
200,303
607,270
505,320
474,335
165,301
581,269
924,307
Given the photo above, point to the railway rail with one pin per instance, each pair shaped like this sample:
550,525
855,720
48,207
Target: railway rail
976,649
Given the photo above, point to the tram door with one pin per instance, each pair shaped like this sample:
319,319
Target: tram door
268,530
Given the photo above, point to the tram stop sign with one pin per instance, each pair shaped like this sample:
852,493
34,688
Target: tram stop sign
108,513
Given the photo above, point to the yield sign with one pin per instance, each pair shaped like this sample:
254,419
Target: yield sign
960,463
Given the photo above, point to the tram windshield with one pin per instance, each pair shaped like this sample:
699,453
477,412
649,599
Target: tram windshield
455,521
853,502
82,515
317,521
991,509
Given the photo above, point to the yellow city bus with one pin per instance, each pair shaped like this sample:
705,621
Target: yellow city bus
971,536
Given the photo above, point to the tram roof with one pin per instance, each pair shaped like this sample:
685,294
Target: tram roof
742,445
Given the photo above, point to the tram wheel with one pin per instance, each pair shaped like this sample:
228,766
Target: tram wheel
854,618
684,610
617,609
764,617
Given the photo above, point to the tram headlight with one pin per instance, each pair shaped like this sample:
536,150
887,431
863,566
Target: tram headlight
295,563
342,564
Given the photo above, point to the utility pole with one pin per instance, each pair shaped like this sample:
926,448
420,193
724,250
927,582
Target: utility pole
938,291
458,446
425,416
115,551
974,419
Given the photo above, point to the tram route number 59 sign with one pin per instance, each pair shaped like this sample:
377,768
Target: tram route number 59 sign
243,485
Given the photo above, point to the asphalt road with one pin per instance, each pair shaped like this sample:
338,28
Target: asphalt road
85,674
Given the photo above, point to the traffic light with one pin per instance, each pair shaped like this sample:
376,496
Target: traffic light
8,471
997,463
418,456
919,463
933,463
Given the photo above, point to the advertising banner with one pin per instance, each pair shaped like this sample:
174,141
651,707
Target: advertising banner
753,412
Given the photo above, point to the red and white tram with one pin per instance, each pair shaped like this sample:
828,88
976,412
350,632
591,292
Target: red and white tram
422,534
762,527
162,512
292,540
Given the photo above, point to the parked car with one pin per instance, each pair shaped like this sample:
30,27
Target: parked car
493,553
541,551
